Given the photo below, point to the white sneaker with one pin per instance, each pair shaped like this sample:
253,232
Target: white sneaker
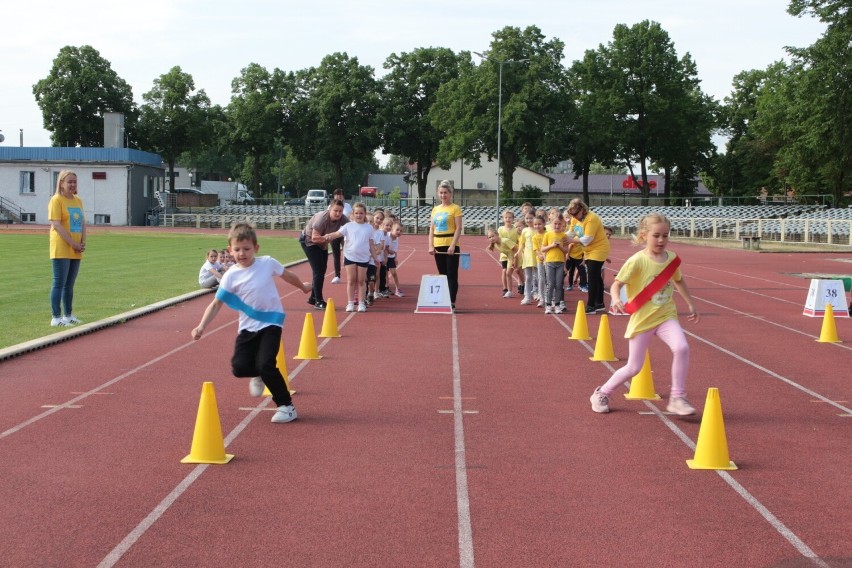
71,320
526,302
256,386
548,310
285,414
350,307
540,303
335,280
508,294
680,406
600,401
58,322
398,293
362,307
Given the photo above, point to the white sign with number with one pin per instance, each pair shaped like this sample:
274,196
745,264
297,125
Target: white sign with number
824,292
434,297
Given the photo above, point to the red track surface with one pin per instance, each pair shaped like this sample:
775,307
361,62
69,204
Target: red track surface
380,470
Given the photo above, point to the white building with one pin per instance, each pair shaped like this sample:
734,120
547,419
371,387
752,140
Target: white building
482,179
117,185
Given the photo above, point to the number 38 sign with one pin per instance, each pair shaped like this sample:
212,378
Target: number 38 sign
824,292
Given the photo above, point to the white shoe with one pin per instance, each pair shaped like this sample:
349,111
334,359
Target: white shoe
398,293
71,320
285,414
526,302
335,280
350,307
508,294
548,310
58,322
256,386
362,307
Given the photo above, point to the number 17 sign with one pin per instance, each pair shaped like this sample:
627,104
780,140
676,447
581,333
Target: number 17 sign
434,297
823,292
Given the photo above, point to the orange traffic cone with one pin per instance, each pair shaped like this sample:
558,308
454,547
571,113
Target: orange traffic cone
308,345
329,322
281,363
828,334
642,385
208,446
581,327
603,346
711,450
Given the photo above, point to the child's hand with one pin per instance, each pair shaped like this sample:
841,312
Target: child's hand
306,287
196,333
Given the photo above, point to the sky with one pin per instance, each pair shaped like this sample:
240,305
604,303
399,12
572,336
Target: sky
213,40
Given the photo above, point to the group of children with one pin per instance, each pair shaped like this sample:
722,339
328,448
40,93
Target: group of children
370,246
536,251
217,263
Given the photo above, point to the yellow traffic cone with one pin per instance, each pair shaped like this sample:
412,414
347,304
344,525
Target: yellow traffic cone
308,345
711,450
208,446
581,328
603,346
281,363
329,322
642,385
829,328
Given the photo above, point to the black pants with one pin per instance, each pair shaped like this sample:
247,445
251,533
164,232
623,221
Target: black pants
383,278
594,270
573,264
336,247
255,354
318,259
448,265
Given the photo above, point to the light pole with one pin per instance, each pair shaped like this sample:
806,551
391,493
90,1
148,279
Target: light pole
499,118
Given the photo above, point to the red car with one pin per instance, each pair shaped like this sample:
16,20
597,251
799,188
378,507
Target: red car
368,191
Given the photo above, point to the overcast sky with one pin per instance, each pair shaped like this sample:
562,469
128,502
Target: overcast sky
213,39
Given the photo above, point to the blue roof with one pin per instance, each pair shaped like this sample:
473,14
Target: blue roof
92,155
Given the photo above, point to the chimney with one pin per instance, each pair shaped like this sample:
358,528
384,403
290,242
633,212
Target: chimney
113,130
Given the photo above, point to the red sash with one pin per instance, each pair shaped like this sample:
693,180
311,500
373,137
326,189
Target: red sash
655,286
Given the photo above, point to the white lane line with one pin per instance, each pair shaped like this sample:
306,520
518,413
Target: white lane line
462,496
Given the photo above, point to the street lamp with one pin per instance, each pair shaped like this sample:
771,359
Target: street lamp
499,117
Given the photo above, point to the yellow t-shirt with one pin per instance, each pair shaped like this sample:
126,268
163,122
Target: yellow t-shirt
506,253
444,224
555,254
537,239
525,246
637,273
508,233
69,212
591,224
576,251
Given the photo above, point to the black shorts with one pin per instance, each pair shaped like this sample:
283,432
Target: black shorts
391,263
504,264
371,273
347,262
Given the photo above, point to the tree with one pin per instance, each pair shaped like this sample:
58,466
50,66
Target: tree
410,89
535,108
172,118
334,114
79,89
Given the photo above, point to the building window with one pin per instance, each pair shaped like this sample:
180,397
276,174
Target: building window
28,217
101,219
27,182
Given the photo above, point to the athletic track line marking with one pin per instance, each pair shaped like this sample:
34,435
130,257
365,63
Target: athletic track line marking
462,496
773,521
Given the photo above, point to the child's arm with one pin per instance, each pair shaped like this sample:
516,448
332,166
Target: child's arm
293,280
684,292
615,294
209,315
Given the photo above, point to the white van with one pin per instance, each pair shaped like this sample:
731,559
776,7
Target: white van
316,197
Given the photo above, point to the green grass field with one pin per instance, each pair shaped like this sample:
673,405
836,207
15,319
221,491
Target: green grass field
120,271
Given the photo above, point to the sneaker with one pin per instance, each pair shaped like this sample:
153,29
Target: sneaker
600,308
350,307
312,301
569,288
558,310
600,401
71,320
285,414
540,303
526,302
362,307
680,406
256,386
591,310
335,280
548,310
520,288
58,322
320,306
508,294
398,293
386,293
562,307
584,289
369,302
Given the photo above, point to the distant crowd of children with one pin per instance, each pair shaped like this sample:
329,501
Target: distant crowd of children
537,253
217,263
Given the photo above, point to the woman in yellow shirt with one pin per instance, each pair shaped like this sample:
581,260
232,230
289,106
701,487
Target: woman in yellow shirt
587,229
445,229
67,243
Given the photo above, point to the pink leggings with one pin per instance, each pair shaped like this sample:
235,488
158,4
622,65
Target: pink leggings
672,335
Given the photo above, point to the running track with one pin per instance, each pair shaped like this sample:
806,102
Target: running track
435,440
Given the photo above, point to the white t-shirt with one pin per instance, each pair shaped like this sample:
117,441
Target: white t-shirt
252,292
356,246
393,247
204,273
378,241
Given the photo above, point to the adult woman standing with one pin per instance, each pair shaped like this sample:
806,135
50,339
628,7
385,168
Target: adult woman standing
588,230
337,244
315,244
445,229
67,243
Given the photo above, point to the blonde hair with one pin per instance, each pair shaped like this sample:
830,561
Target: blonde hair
645,225
445,183
242,232
579,204
61,177
488,234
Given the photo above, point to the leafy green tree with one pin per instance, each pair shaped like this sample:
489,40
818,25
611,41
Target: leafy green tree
335,115
535,110
410,89
79,89
173,116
